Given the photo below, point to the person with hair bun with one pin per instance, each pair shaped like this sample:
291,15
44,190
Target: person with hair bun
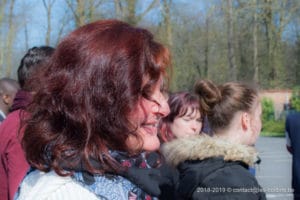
217,167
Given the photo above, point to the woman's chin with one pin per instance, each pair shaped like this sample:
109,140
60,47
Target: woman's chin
151,144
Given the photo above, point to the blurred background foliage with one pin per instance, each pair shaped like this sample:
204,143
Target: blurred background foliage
272,126
295,99
222,40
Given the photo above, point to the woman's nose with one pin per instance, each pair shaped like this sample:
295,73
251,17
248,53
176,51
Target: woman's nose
194,125
161,106
164,109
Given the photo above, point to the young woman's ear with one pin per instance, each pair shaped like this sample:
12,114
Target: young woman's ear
245,118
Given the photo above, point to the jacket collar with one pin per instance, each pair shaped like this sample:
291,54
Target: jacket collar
201,147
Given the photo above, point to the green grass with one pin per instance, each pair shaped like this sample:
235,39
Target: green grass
272,134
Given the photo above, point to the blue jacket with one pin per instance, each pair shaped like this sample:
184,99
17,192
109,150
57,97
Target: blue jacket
292,127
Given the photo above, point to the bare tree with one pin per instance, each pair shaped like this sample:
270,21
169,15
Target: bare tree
126,10
83,10
255,48
207,37
48,4
10,38
118,9
277,15
64,21
2,15
230,41
167,21
268,12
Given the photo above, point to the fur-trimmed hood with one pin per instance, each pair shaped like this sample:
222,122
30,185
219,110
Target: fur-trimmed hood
201,147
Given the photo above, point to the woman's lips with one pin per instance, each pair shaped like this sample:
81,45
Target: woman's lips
150,128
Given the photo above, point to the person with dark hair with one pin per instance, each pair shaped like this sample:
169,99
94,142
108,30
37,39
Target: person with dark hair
95,117
184,118
217,167
8,90
292,131
13,165
30,61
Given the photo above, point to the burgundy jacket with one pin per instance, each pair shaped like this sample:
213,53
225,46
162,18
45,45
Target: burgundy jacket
13,165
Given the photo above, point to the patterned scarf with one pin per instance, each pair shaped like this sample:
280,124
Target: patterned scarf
115,187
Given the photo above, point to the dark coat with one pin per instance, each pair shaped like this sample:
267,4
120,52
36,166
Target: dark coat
159,181
211,168
292,127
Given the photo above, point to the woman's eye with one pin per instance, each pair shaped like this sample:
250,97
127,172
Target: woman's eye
200,120
186,119
164,93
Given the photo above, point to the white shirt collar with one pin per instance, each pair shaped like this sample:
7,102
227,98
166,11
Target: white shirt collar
2,114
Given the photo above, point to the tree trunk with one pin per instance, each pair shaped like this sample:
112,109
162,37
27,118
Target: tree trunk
206,47
2,14
48,7
130,12
80,11
118,9
268,26
167,22
10,38
230,42
127,10
255,50
26,37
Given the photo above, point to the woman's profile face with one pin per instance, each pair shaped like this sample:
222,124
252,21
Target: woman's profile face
187,125
256,123
146,117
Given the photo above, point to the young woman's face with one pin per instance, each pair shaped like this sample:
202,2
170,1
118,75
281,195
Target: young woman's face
146,116
187,125
255,122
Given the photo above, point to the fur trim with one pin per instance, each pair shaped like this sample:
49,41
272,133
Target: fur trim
202,146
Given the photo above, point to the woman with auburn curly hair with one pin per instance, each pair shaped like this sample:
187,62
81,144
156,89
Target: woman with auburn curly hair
95,116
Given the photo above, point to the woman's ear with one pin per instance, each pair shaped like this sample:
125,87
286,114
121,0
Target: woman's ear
7,99
245,118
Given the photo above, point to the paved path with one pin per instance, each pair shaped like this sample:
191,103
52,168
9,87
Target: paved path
274,172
